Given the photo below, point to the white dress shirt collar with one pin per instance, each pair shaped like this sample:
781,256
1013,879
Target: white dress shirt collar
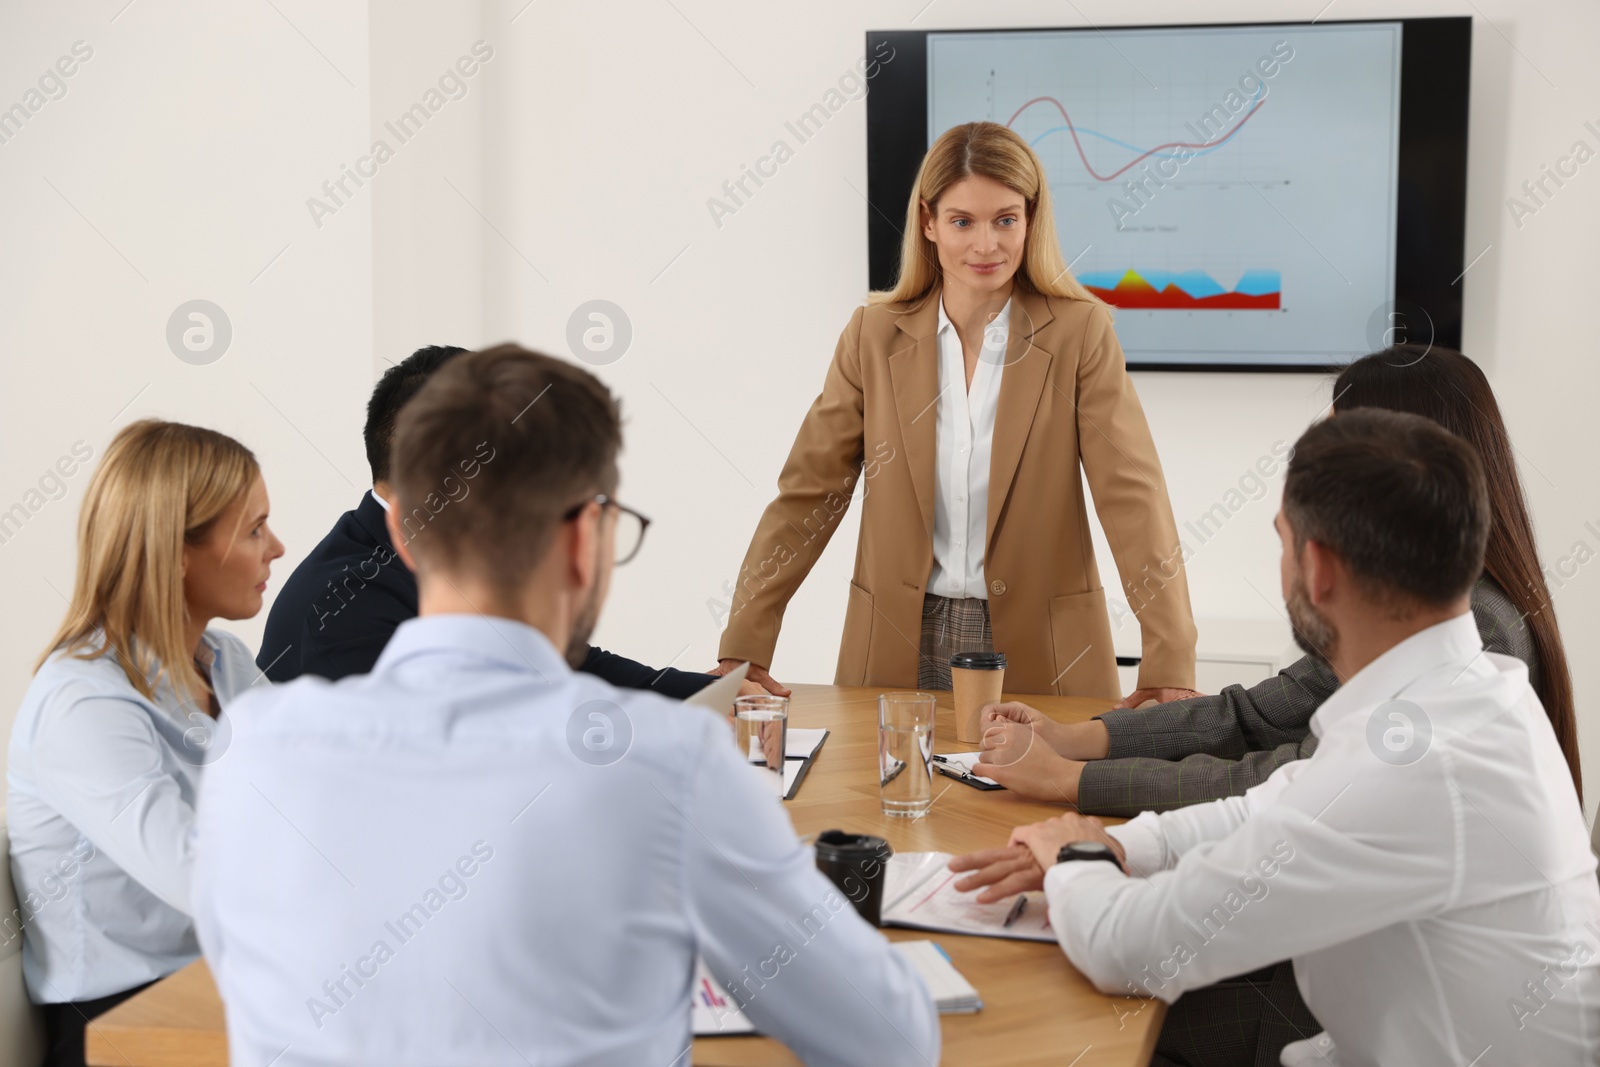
995,333
1407,662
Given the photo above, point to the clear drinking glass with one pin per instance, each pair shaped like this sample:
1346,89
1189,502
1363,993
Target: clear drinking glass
761,728
905,753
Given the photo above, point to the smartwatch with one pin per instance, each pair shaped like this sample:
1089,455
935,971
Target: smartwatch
1087,850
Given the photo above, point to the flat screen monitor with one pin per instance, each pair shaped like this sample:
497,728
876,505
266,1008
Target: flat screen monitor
1274,196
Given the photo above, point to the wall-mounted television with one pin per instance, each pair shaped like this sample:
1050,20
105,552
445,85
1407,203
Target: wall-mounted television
1264,196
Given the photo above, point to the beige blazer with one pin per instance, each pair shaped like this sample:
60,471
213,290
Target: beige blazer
1065,400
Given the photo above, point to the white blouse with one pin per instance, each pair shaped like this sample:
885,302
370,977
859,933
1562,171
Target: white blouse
965,431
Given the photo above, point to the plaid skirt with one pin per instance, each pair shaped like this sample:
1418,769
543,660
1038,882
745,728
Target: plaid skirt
950,626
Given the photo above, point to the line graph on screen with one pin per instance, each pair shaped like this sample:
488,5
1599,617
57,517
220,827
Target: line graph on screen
1187,149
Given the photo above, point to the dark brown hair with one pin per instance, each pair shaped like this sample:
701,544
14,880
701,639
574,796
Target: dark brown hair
1399,498
1447,387
493,451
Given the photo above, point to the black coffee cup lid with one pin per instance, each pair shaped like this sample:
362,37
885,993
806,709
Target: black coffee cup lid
979,661
837,841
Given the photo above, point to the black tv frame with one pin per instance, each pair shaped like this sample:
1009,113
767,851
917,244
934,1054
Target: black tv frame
1430,215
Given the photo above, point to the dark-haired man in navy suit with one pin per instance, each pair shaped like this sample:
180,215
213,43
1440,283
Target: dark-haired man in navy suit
344,600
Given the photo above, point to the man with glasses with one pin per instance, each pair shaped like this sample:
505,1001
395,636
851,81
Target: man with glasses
342,603
474,855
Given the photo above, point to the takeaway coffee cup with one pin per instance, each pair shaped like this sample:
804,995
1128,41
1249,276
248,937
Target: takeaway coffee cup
977,678
857,864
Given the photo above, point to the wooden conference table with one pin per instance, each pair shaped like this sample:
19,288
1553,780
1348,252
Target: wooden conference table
1037,1008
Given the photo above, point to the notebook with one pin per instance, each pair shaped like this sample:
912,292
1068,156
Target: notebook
713,1013
951,991
919,892
800,747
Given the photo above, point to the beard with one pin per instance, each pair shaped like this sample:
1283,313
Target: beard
1312,631
582,627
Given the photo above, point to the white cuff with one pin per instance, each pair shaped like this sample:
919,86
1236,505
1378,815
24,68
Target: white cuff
1144,844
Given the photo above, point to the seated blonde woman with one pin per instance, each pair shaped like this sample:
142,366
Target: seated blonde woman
122,715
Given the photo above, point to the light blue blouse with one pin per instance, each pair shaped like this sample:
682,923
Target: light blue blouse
101,791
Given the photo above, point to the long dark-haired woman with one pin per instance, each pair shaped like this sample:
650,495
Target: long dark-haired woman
1204,748
1199,749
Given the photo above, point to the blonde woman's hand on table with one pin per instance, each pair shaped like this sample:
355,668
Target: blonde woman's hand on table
758,675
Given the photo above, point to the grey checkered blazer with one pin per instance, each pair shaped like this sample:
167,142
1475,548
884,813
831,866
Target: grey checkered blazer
1191,751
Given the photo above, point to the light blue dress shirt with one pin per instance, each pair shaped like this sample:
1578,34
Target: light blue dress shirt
101,791
474,855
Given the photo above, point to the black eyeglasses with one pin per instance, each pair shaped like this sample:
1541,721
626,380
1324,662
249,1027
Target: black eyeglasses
631,525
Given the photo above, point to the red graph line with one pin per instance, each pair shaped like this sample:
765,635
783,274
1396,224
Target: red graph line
1138,159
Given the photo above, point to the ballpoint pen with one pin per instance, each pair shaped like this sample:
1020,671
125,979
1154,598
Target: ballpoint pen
1016,912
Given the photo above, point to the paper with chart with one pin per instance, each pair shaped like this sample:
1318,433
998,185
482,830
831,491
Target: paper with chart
919,891
713,1012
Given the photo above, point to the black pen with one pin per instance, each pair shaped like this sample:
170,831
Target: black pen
1016,912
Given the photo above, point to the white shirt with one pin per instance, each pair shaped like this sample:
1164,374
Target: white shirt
474,855
1434,910
964,433
101,792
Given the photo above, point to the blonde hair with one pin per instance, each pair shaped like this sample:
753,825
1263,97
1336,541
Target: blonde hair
160,485
989,150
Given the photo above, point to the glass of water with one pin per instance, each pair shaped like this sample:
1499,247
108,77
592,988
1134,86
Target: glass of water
761,727
905,753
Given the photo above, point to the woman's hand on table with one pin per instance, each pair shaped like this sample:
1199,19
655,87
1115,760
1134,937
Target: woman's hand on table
1015,711
758,675
1015,756
1073,740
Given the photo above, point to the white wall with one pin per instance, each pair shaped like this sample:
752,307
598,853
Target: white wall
177,167
578,167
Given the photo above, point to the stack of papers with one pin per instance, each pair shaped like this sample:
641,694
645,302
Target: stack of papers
714,1013
919,892
802,743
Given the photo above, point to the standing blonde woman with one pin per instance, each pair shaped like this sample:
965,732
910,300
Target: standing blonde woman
108,746
967,397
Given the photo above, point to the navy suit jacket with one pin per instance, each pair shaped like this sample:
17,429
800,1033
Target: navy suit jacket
340,606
